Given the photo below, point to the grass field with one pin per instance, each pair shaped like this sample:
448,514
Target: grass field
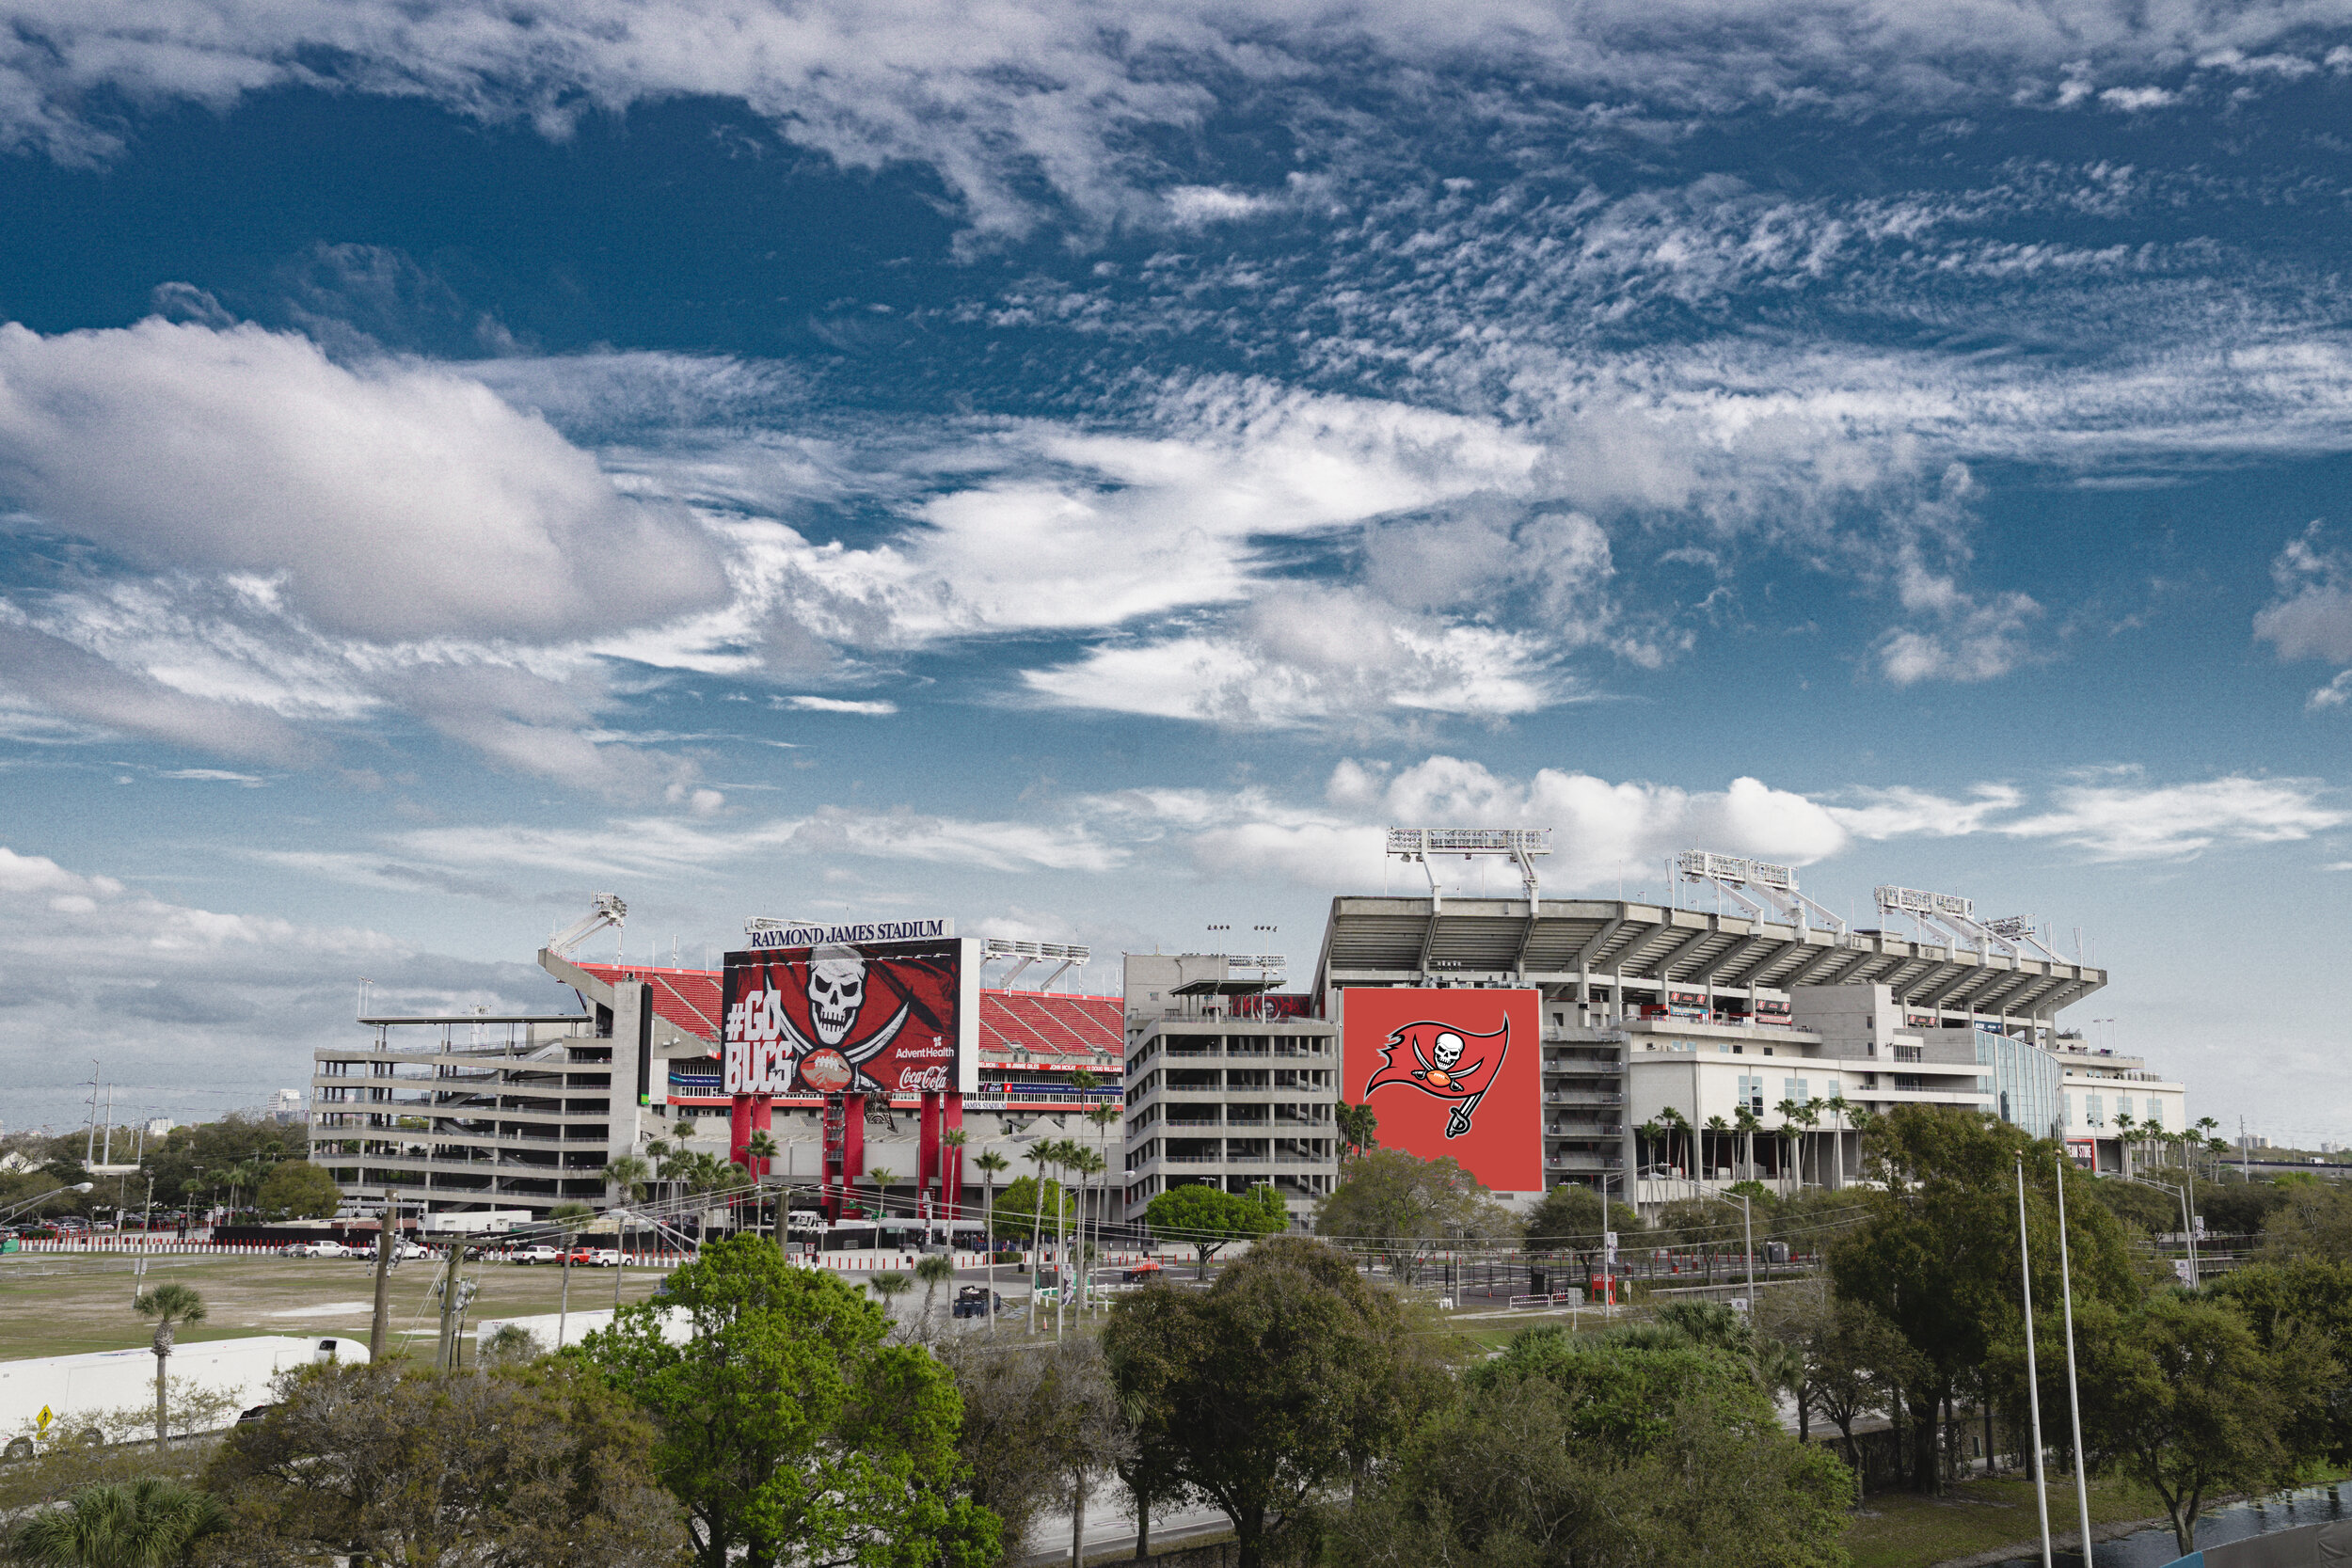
62,1304
1899,1530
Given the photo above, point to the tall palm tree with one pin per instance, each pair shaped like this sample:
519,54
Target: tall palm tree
170,1305
1651,1132
1809,1117
144,1523
951,1179
1787,1109
1359,1129
881,1177
1745,1124
1842,1108
627,1176
991,1164
567,1218
1105,1118
1675,1125
1720,1128
1039,1154
1088,1165
934,1269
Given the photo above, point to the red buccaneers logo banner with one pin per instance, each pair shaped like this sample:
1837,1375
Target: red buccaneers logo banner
1449,1063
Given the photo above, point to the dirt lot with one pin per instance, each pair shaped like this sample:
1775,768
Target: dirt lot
61,1304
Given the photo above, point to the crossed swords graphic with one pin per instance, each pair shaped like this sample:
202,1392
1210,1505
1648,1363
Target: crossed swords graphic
875,1043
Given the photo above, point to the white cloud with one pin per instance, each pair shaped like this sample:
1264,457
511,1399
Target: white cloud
1902,812
2134,99
2313,616
1194,206
2335,694
1307,655
839,705
1954,635
388,502
2131,821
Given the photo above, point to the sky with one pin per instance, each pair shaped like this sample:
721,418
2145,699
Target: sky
1085,471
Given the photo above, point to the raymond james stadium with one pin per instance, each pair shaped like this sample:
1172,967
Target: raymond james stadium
1648,1051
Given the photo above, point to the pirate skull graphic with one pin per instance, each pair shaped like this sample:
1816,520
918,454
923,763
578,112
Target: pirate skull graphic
836,990
1444,1052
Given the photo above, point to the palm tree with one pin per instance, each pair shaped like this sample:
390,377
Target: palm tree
934,1269
1718,1126
1840,1107
1787,1109
567,1218
1809,1117
881,1177
1675,1124
628,1177
1086,1163
147,1522
951,1179
170,1305
889,1285
1105,1117
1744,1122
1651,1132
991,1164
1039,1154
1359,1129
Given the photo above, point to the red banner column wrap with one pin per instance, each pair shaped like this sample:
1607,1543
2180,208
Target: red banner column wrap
740,1131
953,1115
926,1147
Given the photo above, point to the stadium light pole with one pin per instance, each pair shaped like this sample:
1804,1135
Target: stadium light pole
2074,1396
2033,1383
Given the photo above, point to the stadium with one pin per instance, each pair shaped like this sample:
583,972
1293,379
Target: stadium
1738,1031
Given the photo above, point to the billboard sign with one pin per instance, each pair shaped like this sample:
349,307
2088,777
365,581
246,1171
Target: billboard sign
1452,1073
886,1018
772,934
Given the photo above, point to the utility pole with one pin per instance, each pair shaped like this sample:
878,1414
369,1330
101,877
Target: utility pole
444,1360
385,1241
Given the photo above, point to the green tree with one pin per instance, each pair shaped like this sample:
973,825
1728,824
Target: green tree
2313,1219
299,1190
1565,1452
147,1523
533,1466
1935,1253
169,1306
1570,1218
627,1176
2178,1396
1029,1208
1359,1128
1404,1207
1288,1374
1208,1219
1040,1421
2300,1312
788,1425
1147,1358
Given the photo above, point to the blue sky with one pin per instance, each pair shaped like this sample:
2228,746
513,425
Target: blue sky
1085,471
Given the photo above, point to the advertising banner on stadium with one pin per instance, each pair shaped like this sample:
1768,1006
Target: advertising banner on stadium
886,1018
1453,1075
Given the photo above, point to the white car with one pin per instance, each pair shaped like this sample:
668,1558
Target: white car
536,1254
320,1249
605,1258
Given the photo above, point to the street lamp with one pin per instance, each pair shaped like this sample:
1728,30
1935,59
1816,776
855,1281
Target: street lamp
2188,1222
1747,1229
40,1199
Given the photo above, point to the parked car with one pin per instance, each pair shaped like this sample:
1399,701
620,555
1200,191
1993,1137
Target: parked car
600,1258
541,1254
319,1249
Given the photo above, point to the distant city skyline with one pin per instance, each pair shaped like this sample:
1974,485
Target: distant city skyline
1088,471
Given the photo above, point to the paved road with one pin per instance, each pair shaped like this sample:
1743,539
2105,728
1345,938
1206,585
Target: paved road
1107,1527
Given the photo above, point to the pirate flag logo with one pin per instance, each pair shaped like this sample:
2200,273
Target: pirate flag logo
1452,1063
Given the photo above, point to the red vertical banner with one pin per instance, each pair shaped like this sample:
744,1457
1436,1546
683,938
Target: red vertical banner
1452,1073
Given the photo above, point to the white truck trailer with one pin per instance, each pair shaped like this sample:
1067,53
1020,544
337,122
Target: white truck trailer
50,1394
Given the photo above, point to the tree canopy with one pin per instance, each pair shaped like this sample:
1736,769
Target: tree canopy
299,1190
1288,1374
1208,1219
788,1425
1403,1206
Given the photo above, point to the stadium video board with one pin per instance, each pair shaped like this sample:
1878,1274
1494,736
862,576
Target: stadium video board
884,1017
1452,1073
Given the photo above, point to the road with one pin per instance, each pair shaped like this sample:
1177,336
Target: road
1107,1527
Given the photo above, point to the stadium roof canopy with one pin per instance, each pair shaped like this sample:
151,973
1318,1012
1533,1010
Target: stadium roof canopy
1560,941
